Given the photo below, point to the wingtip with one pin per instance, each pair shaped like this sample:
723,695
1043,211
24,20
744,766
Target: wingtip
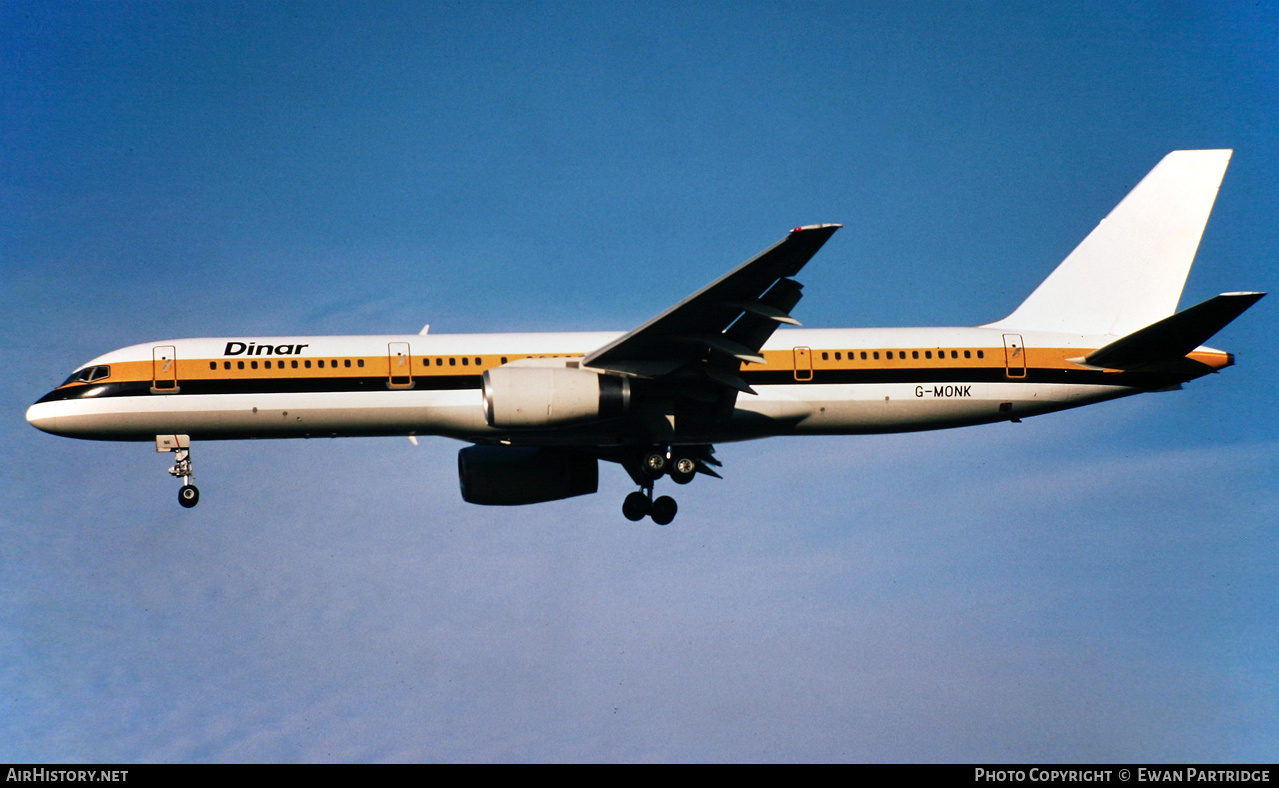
805,227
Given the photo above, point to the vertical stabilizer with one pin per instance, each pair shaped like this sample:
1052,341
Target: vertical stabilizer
1128,273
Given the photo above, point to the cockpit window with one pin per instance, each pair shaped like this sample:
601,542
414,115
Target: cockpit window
88,375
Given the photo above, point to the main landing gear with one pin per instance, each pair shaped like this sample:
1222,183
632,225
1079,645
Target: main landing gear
640,504
189,495
680,463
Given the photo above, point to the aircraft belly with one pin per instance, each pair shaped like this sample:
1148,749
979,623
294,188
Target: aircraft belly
271,415
902,407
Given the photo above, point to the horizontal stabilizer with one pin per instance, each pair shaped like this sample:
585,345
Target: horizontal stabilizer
1173,337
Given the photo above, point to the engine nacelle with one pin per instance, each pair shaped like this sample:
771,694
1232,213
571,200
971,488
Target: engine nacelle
536,396
515,475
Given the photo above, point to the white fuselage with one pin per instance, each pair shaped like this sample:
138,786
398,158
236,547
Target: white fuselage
814,381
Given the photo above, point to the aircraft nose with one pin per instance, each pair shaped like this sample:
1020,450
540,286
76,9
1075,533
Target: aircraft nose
40,417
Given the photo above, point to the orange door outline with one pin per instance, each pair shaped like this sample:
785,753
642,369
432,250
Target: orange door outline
164,369
1014,356
399,365
803,363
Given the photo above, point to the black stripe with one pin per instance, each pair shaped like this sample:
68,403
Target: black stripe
1142,380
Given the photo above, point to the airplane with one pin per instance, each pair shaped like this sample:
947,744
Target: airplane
541,410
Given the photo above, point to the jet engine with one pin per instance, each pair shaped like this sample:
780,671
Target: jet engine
516,396
515,475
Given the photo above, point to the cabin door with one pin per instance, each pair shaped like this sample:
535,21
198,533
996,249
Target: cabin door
401,365
1014,356
803,363
164,370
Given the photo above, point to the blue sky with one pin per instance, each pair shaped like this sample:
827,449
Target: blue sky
1094,585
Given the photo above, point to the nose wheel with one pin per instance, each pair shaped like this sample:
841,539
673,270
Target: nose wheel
189,495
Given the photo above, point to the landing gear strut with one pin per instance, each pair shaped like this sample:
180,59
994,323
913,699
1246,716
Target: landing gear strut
189,495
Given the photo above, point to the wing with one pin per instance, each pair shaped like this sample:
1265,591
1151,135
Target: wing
725,323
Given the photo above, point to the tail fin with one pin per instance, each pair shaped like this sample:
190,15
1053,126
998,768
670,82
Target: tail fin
1128,273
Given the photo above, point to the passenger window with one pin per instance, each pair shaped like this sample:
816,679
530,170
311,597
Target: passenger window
439,362
213,365
825,356
360,362
452,362
877,355
968,354
954,354
863,355
346,362
226,364
914,354
321,363
928,354
477,361
980,354
466,362
837,356
307,363
295,363
503,359
253,364
239,365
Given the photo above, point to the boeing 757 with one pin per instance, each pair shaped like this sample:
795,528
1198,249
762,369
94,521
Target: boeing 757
541,410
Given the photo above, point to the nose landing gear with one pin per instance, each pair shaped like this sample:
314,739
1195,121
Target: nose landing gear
189,495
